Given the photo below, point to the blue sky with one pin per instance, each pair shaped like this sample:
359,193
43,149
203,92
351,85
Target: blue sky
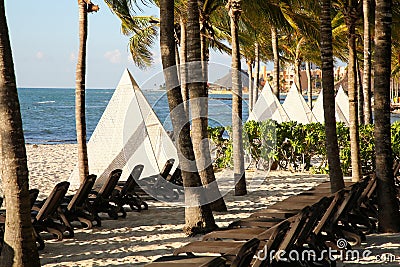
44,40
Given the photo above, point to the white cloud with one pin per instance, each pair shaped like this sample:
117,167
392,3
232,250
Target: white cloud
113,56
39,55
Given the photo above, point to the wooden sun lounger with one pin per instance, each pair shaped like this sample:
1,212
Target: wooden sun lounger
125,194
186,261
272,239
158,185
240,254
44,221
76,209
102,198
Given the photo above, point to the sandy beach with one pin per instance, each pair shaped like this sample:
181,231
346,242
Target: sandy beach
143,237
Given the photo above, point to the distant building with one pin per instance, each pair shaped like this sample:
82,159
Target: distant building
287,76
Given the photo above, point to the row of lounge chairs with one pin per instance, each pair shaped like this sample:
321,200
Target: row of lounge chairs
57,213
313,220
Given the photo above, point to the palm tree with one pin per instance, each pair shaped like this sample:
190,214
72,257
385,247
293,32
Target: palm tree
19,248
332,148
198,217
389,215
199,107
309,84
350,10
367,62
85,7
256,71
234,9
275,49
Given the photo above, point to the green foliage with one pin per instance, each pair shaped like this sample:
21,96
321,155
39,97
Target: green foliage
298,146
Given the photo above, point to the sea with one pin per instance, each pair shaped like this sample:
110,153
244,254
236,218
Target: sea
48,114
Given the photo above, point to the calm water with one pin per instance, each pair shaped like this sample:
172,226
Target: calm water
48,114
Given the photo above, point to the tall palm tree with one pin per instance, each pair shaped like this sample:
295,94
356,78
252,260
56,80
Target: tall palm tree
351,10
256,71
199,108
332,148
276,70
367,62
389,215
309,84
85,7
198,215
234,9
19,248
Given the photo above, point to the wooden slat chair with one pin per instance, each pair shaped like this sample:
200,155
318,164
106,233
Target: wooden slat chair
335,225
76,207
238,255
125,194
43,220
363,215
101,200
158,186
269,239
188,262
268,220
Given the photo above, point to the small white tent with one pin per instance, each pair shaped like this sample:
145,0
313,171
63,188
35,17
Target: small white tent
268,107
128,133
318,111
342,101
296,107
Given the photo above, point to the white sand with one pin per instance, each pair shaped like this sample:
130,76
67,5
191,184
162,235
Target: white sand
142,237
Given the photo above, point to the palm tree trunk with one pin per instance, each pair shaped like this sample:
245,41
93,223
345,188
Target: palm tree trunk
275,86
367,63
251,91
360,95
198,214
204,45
353,101
388,207
332,147
297,75
309,84
80,116
183,66
234,7
257,72
19,248
199,106
178,61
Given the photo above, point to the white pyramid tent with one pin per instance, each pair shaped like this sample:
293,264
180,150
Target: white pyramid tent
296,107
342,101
318,111
128,133
268,107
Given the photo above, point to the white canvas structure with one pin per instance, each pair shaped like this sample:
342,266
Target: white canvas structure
128,133
318,111
296,107
342,101
268,107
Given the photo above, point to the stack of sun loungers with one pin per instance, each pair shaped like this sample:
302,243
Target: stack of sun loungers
315,220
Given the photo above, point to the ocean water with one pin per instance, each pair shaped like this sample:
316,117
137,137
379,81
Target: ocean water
48,114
